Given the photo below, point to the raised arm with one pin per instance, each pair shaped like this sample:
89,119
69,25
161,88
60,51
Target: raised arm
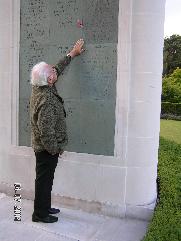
63,62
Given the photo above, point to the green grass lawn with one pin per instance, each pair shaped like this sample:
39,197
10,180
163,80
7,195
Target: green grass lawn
171,130
166,221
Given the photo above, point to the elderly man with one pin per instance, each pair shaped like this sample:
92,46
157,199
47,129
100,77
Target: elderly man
48,130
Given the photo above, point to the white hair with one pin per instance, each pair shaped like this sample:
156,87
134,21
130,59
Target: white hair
39,74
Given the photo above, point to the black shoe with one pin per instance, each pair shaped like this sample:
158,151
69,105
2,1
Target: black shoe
47,219
53,210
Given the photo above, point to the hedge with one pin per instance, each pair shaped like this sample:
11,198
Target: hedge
170,117
171,108
166,221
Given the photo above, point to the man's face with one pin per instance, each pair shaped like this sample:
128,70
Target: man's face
52,78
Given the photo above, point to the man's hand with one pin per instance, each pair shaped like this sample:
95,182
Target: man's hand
61,152
77,49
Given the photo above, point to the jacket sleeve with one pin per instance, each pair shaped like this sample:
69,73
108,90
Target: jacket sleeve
46,125
63,62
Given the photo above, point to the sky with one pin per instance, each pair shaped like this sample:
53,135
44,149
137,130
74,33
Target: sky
172,17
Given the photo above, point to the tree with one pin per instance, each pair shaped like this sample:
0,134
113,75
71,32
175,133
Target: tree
171,54
171,87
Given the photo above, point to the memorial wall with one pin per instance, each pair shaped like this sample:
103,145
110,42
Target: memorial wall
48,30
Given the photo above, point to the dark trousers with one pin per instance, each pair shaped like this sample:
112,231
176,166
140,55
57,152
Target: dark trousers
45,168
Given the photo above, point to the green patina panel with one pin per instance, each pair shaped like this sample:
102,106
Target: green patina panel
88,85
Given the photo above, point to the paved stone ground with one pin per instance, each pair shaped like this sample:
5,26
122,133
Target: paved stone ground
73,225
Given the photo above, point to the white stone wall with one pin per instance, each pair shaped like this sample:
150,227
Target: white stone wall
120,185
144,100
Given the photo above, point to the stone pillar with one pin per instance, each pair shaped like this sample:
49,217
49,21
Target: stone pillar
5,76
145,84
9,75
5,67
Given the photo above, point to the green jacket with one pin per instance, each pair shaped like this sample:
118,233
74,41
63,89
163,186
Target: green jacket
47,116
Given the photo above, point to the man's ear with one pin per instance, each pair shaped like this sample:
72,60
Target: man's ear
50,80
